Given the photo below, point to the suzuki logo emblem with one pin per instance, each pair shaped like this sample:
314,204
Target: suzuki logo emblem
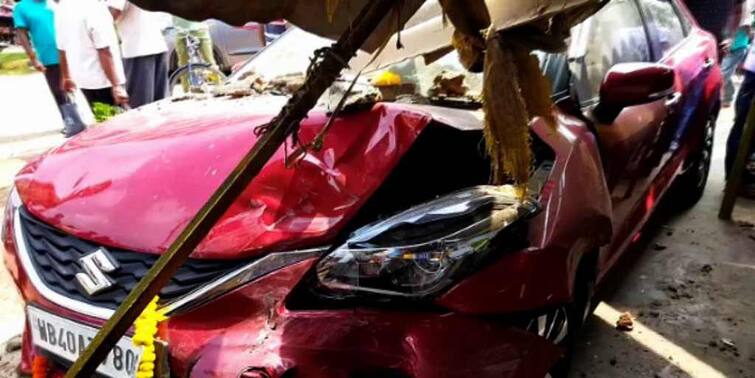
93,280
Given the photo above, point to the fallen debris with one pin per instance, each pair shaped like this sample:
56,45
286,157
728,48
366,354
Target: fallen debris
728,343
706,269
625,322
286,84
13,344
448,84
745,224
659,247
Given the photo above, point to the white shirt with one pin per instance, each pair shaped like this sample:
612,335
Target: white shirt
140,30
747,17
83,27
749,64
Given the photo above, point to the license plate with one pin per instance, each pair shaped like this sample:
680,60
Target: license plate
68,339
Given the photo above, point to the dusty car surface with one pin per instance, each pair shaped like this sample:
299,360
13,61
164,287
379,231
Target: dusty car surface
383,253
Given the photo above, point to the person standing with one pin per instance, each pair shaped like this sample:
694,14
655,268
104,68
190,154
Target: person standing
145,53
89,53
35,19
737,51
715,16
200,31
742,107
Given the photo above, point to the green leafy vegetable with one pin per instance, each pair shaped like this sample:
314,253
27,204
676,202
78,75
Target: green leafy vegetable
102,112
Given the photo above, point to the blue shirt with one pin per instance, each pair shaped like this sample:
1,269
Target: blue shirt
38,18
741,40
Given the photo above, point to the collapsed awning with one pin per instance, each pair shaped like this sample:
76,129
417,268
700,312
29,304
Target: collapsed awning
515,89
424,28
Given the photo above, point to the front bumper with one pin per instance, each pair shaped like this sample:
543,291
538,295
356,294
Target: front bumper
375,344
251,329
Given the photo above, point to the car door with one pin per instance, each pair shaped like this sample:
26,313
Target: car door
693,55
617,34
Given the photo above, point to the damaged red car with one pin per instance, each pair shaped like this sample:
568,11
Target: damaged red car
383,253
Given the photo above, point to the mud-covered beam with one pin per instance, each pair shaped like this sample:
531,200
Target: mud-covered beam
734,183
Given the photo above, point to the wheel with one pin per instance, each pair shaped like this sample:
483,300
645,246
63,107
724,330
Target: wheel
561,325
200,79
689,187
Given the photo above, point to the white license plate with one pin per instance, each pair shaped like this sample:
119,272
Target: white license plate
68,339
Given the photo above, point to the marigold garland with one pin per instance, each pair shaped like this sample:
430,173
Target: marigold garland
145,329
39,367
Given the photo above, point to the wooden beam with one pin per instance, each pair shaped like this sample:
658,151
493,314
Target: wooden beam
320,78
734,181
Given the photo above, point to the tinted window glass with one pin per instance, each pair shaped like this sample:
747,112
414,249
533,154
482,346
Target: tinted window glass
614,35
663,25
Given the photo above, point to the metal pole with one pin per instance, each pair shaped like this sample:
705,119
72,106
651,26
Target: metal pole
321,77
734,183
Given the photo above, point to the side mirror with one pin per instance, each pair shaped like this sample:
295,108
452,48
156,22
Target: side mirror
630,84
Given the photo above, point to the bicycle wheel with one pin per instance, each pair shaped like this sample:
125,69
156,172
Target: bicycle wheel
201,78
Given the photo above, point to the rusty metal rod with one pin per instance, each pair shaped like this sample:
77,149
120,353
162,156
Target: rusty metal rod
321,77
734,182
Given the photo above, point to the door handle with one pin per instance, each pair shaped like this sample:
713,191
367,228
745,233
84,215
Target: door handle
709,63
673,100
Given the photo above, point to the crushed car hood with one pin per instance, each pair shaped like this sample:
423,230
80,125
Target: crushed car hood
136,182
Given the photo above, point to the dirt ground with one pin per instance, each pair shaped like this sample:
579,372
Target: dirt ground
689,285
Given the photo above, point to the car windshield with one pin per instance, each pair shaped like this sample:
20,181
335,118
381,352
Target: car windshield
290,56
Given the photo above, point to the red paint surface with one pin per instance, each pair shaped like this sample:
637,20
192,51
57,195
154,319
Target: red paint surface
261,333
152,170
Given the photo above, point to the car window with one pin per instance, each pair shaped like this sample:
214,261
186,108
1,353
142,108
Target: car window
616,34
683,18
665,29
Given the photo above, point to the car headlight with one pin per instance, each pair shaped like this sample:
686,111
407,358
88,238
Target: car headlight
420,252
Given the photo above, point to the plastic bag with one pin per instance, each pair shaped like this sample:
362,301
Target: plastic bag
85,111
76,114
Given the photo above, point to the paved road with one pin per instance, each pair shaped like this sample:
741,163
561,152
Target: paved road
26,107
690,285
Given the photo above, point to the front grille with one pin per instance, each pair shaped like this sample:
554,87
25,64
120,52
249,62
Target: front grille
55,257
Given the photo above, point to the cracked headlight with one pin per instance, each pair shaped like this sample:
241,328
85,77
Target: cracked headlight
420,252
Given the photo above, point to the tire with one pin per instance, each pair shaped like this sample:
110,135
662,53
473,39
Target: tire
208,76
557,326
689,186
562,324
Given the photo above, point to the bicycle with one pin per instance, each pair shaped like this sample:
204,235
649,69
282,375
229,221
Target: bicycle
197,76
